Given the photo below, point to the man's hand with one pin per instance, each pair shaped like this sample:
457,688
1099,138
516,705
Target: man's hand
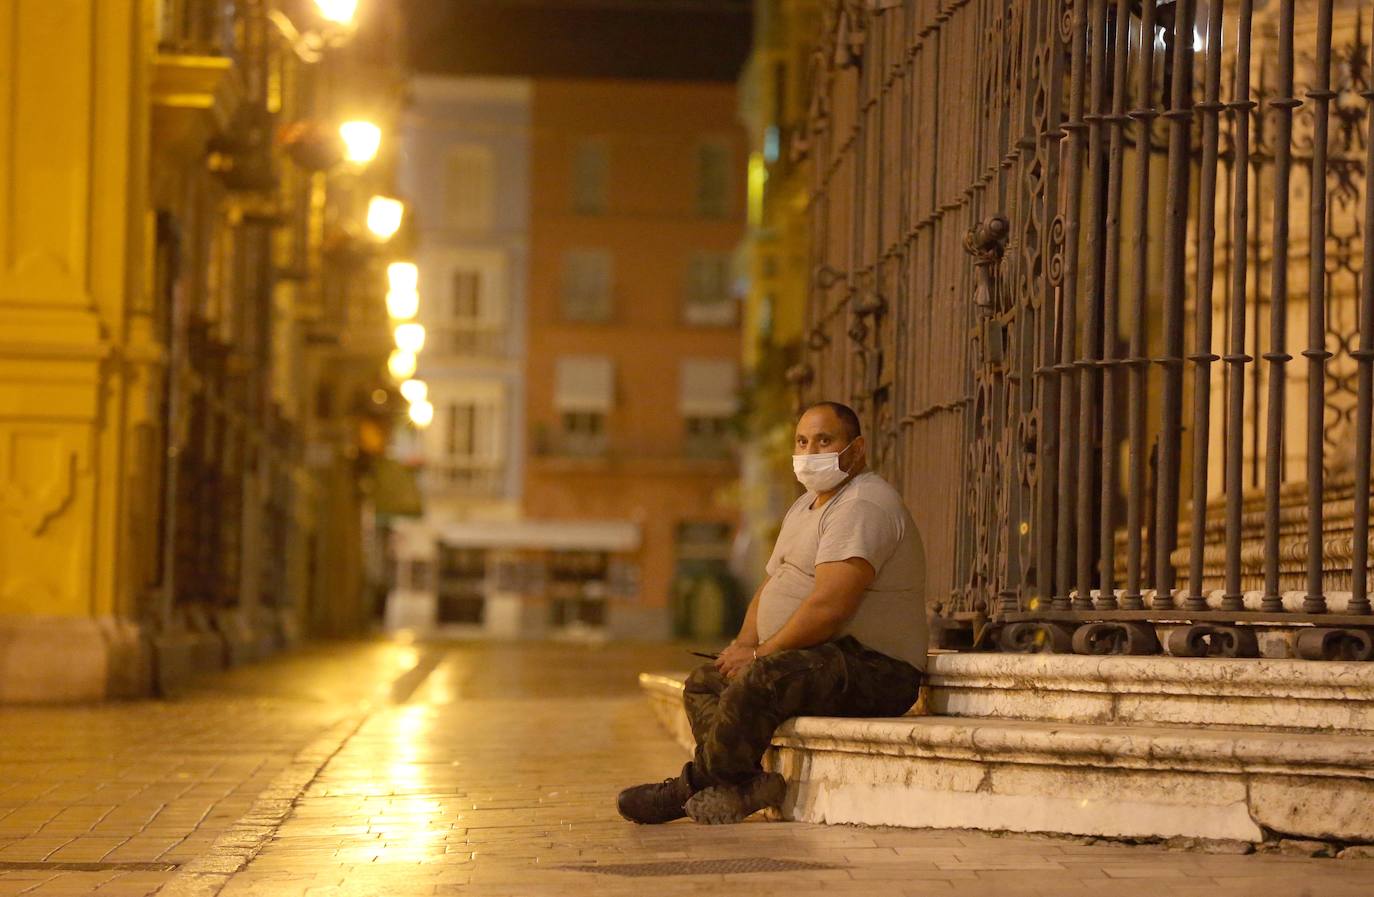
733,660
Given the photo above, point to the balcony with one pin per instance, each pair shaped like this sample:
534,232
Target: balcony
477,478
196,28
476,339
195,84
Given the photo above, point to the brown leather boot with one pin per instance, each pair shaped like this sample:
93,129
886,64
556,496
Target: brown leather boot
728,804
657,802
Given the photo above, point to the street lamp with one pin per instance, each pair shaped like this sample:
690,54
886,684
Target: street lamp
340,12
384,216
402,306
403,277
410,337
401,364
403,298
361,140
422,413
415,390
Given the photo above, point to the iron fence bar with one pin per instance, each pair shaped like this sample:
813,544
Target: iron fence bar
901,312
1179,115
1236,358
1028,314
1321,95
1073,129
1282,105
1364,358
1010,149
1144,116
1052,72
1087,369
1209,110
1111,312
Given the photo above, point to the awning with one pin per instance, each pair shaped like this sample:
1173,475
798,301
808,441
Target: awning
707,387
554,535
584,383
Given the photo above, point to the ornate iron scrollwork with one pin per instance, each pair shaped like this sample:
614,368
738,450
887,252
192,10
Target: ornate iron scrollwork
1334,644
1116,638
1212,640
1036,637
986,241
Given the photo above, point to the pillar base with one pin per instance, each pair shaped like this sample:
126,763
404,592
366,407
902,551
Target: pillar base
68,659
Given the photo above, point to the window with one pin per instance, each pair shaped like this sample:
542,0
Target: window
462,584
466,297
577,587
707,401
467,451
583,426
420,575
587,285
713,179
591,167
468,187
469,318
584,393
707,301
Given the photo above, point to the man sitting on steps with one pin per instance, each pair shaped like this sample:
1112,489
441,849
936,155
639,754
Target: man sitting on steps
838,628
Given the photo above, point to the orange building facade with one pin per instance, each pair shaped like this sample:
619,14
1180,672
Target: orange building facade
638,205
586,230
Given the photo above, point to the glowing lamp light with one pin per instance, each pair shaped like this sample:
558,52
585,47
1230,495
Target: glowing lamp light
384,216
361,140
415,390
421,413
340,12
403,277
402,306
401,364
410,337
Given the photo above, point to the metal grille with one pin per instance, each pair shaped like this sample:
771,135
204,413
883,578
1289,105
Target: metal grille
15,866
1059,246
734,866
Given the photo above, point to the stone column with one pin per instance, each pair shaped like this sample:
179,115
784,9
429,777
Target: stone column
73,250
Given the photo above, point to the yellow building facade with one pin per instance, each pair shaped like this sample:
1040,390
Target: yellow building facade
177,417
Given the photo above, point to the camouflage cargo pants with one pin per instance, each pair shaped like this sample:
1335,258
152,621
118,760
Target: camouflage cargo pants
733,719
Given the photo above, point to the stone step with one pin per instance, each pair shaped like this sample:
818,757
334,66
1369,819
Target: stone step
1287,695
1107,778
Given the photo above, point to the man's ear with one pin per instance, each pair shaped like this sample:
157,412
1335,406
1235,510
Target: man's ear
860,449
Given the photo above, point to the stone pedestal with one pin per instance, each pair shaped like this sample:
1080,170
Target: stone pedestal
1105,746
59,659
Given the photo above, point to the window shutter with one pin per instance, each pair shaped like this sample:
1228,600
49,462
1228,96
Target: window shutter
708,299
584,383
468,187
707,387
713,179
587,285
591,170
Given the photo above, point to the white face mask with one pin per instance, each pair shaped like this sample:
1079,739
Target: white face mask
820,472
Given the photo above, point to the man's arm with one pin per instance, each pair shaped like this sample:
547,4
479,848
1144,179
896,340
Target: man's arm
739,653
749,630
839,589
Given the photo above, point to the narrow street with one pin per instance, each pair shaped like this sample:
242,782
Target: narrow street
481,768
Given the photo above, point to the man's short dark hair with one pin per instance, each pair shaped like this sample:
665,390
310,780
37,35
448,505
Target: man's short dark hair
847,417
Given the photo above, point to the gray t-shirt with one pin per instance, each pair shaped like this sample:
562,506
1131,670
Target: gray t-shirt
865,519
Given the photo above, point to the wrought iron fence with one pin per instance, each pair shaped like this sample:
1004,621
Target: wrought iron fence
1059,246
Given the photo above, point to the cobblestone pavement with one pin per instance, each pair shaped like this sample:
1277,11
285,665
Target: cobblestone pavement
484,769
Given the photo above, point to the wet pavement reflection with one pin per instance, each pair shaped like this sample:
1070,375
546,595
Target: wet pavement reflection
391,767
